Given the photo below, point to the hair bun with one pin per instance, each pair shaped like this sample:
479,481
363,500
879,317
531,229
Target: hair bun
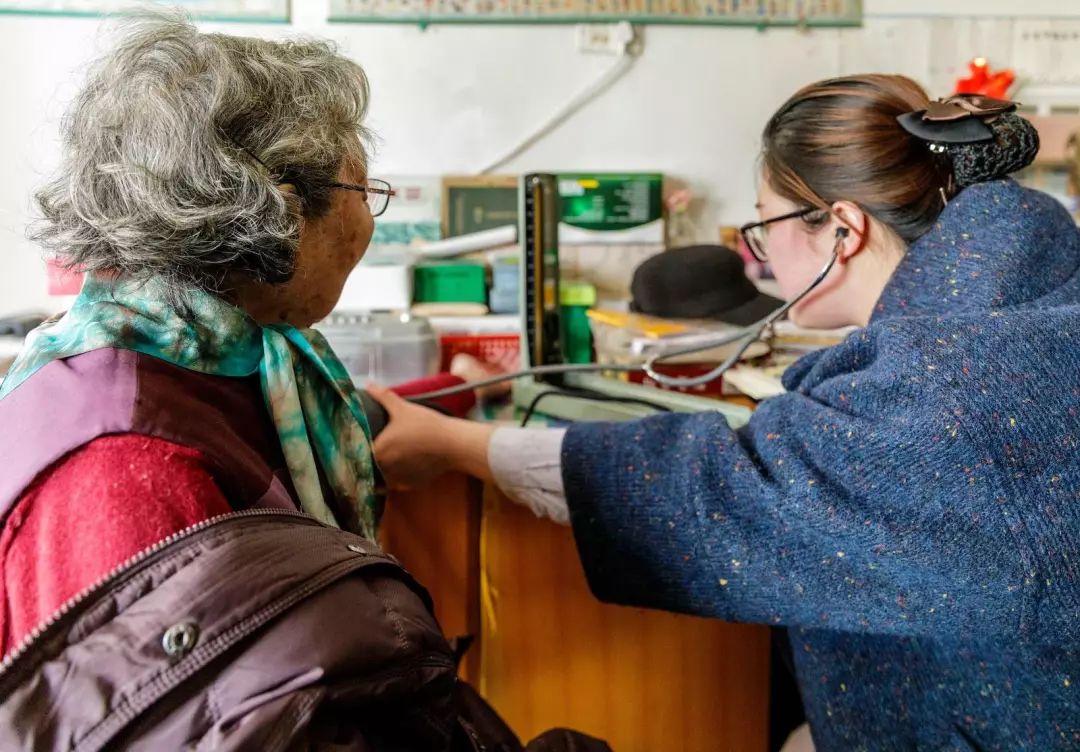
1013,147
983,137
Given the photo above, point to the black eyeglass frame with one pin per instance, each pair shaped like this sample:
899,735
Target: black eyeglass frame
753,243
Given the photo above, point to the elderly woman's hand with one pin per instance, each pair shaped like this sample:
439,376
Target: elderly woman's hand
419,444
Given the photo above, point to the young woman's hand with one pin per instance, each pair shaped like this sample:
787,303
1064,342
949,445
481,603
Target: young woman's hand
420,444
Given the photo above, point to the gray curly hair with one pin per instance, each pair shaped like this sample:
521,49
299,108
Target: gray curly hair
174,149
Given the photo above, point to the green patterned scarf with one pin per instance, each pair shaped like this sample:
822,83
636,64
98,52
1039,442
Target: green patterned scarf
310,397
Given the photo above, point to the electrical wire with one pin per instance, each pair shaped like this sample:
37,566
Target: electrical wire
551,370
586,95
588,394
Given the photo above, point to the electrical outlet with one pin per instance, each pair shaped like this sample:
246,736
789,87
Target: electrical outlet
610,39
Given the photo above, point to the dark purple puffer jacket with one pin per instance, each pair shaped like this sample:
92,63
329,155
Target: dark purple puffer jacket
259,630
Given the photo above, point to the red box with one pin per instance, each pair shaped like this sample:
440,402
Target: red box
489,348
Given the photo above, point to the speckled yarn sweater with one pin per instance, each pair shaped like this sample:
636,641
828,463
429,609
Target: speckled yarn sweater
909,510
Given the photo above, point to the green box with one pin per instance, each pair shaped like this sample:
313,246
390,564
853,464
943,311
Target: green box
576,298
607,208
450,282
609,201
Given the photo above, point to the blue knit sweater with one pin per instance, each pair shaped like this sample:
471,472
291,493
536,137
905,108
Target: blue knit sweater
910,509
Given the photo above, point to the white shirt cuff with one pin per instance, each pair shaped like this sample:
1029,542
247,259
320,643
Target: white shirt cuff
527,466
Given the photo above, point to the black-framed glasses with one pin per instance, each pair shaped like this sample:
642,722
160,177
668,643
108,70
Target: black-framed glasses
377,192
756,234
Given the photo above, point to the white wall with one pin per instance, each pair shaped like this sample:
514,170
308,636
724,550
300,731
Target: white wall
984,8
448,99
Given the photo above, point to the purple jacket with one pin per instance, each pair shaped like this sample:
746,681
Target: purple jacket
73,401
261,629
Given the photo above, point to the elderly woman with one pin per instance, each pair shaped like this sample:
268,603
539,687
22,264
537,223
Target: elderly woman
186,504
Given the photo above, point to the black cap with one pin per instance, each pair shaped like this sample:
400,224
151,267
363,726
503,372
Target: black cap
699,282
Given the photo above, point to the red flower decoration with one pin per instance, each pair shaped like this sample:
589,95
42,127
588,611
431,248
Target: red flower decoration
985,81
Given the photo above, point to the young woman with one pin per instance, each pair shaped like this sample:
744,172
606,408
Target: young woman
168,441
910,508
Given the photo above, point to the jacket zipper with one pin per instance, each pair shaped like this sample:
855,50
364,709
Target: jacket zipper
28,642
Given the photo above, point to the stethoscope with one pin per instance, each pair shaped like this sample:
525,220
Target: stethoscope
747,336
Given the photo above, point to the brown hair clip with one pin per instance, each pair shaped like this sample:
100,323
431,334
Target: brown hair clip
959,119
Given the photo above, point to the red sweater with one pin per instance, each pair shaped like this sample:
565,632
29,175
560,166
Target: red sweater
99,506
90,512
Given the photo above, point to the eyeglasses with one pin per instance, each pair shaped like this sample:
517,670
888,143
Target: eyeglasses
377,192
756,234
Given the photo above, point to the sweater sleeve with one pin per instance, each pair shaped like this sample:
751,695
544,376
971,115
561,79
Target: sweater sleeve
817,513
90,512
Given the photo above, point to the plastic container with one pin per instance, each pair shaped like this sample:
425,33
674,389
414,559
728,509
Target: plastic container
575,300
504,302
505,285
450,283
383,348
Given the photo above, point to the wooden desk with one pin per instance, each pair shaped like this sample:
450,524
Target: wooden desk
436,535
550,655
